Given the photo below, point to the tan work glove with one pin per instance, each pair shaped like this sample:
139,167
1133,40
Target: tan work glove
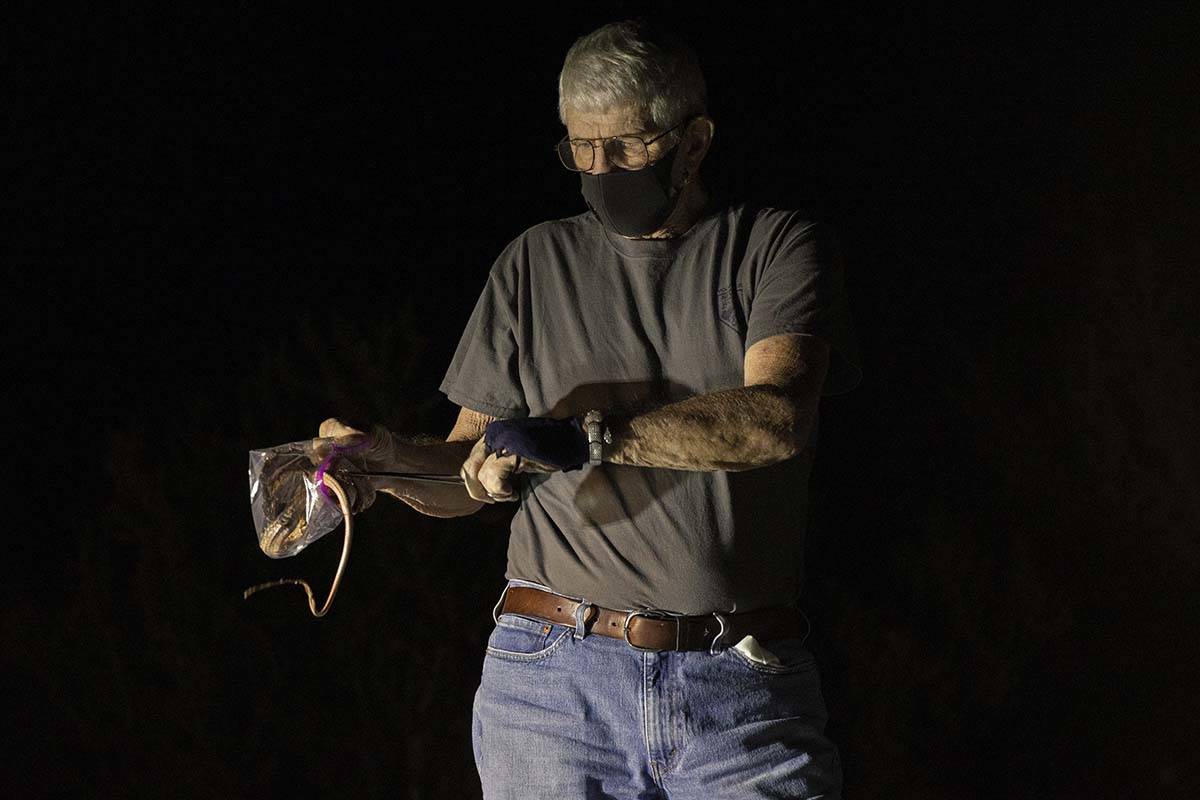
489,476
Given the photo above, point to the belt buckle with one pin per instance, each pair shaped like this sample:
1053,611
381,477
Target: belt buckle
649,614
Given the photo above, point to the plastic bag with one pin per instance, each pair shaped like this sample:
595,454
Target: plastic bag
291,505
300,491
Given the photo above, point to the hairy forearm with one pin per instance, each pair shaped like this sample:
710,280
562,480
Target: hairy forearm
733,430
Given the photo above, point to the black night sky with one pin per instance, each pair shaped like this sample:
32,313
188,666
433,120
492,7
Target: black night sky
227,226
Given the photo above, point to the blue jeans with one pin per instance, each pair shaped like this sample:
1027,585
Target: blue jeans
563,716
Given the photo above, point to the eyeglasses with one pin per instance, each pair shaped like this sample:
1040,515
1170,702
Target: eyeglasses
626,152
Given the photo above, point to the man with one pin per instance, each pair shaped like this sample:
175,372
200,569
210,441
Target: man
643,380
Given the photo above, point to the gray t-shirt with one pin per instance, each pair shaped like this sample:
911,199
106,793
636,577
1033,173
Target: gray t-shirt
575,317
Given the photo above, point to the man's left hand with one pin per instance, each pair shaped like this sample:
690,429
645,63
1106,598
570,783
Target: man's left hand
550,444
509,446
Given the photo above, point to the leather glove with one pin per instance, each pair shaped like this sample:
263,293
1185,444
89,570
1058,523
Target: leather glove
353,449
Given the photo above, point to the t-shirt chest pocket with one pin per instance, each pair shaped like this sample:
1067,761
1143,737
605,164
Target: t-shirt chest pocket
707,340
731,308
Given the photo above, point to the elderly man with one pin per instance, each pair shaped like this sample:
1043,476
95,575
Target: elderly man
643,379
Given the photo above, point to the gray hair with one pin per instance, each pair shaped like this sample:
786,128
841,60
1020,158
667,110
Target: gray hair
632,64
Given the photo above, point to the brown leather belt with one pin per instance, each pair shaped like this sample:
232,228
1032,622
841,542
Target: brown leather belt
656,630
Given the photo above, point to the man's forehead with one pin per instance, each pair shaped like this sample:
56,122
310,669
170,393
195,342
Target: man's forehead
600,124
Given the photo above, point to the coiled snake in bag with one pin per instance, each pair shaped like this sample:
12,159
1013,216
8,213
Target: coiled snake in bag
292,506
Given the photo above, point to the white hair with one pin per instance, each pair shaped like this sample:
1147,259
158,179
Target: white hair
632,64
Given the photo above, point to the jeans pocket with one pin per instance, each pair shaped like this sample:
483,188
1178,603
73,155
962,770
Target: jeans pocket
792,654
517,638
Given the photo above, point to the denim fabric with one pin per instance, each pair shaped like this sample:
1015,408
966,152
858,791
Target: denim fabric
561,716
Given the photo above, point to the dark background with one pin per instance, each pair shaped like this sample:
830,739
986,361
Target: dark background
228,226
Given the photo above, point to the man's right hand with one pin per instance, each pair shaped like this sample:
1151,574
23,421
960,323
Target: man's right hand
376,456
391,453
335,427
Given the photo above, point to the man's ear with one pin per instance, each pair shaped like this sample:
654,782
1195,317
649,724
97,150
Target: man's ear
699,138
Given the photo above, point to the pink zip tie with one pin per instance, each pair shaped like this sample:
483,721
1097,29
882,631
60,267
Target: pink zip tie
334,452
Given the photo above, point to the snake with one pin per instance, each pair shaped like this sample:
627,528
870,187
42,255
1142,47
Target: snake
285,504
288,527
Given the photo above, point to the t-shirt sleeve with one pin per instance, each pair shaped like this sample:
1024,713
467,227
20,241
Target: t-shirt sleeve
484,375
802,289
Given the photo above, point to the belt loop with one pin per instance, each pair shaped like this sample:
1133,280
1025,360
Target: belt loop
581,620
712,648
499,604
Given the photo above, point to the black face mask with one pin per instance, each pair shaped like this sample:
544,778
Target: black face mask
632,203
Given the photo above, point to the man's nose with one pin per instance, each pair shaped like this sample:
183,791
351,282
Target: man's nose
599,160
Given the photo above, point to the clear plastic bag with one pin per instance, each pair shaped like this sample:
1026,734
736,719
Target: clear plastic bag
289,500
300,491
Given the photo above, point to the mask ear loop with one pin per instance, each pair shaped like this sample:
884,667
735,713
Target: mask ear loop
326,480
